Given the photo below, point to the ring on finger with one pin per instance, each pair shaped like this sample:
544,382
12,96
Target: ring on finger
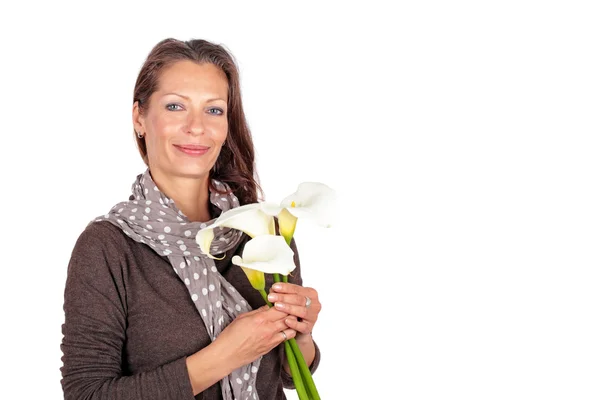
308,302
284,335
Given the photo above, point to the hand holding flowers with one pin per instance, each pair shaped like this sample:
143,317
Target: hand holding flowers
300,302
267,252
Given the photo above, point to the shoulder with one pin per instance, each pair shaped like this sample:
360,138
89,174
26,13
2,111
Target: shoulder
100,246
101,234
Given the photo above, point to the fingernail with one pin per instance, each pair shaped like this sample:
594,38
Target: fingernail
279,305
272,297
277,286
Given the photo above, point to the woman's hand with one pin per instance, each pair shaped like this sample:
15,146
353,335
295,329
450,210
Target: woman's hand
301,303
254,334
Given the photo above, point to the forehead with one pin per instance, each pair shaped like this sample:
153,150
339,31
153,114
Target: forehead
190,77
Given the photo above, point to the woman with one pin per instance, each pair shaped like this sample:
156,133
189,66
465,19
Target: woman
147,315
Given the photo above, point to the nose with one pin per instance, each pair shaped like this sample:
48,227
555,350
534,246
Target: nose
195,123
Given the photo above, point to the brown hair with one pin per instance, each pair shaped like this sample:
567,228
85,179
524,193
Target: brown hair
235,164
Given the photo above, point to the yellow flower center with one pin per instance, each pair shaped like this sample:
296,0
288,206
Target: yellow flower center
293,204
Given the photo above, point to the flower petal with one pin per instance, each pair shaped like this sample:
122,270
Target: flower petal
287,224
204,238
267,253
249,219
256,278
271,208
312,200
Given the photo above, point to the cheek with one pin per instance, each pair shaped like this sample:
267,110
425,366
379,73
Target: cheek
164,126
220,130
159,131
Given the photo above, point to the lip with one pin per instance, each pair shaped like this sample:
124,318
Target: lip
192,149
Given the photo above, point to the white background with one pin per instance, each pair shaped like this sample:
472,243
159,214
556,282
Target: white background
462,138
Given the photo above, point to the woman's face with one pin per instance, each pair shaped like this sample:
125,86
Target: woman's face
186,122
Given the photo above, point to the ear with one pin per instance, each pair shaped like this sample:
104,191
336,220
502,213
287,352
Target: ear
139,123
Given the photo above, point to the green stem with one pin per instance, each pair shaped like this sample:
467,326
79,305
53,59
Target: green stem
300,372
264,296
304,370
296,376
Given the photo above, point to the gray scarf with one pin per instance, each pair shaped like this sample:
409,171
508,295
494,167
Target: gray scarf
150,217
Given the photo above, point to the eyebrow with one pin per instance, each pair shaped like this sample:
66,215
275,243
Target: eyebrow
186,97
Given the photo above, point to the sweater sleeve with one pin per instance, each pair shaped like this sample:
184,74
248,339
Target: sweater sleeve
296,278
94,329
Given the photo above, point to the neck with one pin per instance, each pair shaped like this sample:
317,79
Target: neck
190,194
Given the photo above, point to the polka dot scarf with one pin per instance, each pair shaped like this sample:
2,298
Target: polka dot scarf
150,217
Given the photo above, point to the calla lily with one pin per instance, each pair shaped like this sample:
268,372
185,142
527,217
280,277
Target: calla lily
287,225
313,200
250,219
267,253
256,278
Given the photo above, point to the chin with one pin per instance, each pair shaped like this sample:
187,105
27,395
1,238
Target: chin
196,173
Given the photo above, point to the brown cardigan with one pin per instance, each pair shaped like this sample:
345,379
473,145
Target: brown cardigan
130,323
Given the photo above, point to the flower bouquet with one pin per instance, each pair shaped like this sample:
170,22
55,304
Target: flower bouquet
268,252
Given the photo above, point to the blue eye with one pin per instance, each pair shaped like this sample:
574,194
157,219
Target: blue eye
172,104
219,111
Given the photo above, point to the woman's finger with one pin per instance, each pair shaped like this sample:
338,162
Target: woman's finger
299,326
274,314
294,299
280,325
249,313
290,288
284,335
299,311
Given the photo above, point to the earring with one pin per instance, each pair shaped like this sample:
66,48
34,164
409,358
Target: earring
139,135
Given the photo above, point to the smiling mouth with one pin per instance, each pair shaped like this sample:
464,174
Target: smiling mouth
192,149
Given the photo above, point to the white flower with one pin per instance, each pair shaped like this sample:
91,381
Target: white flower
249,219
312,200
267,254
